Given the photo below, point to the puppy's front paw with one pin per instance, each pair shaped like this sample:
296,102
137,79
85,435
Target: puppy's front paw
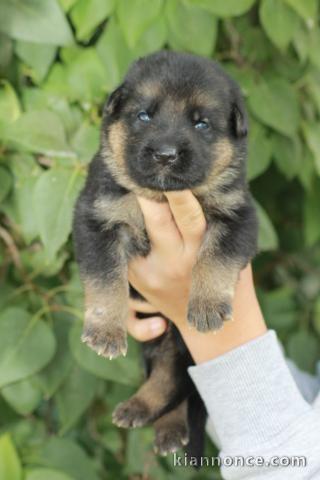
132,413
170,438
206,314
104,336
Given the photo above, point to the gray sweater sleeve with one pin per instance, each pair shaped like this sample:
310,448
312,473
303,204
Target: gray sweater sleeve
260,417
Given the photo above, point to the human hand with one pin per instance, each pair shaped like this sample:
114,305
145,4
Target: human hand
164,277
175,230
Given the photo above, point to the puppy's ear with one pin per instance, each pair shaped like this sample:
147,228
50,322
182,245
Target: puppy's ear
239,120
115,101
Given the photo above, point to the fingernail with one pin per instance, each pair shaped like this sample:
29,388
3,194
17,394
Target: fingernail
157,325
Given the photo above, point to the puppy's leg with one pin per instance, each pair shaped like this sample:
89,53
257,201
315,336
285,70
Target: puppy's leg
103,270
106,312
172,431
212,289
168,383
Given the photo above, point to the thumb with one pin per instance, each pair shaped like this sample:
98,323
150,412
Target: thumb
188,216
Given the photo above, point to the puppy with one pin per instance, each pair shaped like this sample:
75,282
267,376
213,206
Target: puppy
176,122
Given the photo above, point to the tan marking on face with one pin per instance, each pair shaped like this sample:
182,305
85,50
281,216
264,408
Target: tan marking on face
222,173
117,141
222,157
149,89
113,152
223,153
201,99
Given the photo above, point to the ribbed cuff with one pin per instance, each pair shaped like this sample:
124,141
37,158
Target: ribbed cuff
250,394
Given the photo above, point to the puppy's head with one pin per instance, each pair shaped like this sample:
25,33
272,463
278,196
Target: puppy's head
176,122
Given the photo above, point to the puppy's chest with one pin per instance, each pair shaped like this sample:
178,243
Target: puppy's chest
125,214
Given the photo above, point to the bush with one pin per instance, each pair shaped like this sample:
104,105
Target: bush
57,63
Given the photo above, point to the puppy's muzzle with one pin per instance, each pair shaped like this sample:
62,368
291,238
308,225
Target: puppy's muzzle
165,155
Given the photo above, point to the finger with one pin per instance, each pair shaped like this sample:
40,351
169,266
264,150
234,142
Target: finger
146,329
141,306
160,225
188,216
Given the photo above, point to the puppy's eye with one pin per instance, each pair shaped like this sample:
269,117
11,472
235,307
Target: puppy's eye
144,116
201,125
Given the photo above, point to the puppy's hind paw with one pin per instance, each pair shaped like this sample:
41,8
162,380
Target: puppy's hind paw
132,413
170,438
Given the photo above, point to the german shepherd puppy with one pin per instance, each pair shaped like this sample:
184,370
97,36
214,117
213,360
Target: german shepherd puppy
176,122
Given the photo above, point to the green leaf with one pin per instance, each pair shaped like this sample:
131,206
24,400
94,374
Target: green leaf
260,150
67,4
9,103
54,374
287,154
112,440
35,261
5,183
307,10
311,133
74,397
313,86
39,132
65,455
68,80
152,39
114,53
85,141
279,21
279,308
10,467
313,47
185,22
6,51
38,56
307,172
123,370
40,99
54,196
19,204
40,21
138,450
135,16
275,104
267,238
46,474
26,345
222,8
316,316
86,15
303,349
23,396
311,214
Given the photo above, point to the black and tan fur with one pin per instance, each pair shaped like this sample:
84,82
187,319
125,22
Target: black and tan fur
196,113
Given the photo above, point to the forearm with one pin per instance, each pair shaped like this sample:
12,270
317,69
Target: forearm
257,409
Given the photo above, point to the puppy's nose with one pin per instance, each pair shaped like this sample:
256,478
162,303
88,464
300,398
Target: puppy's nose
166,155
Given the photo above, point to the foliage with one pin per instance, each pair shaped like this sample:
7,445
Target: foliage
58,61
